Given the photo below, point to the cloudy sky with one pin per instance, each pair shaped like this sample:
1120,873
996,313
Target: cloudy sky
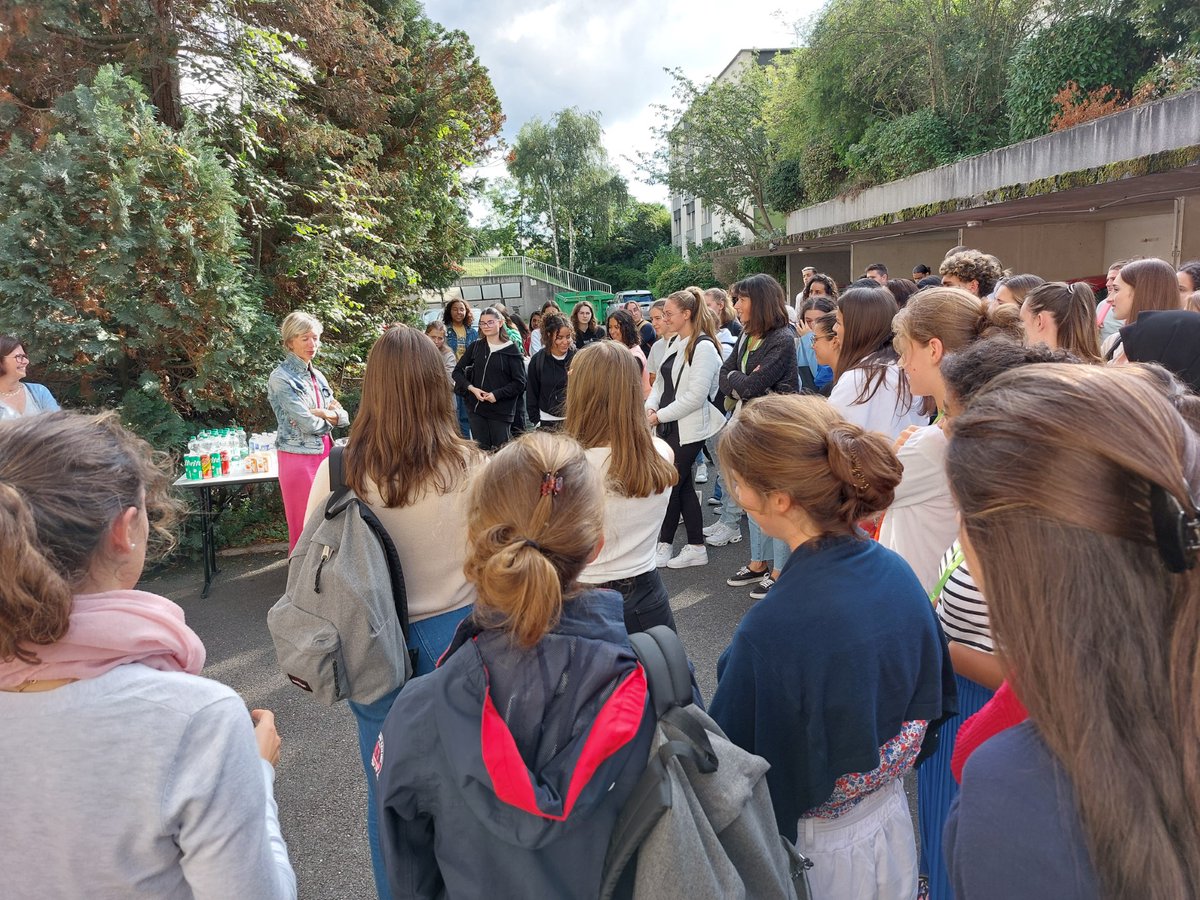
545,55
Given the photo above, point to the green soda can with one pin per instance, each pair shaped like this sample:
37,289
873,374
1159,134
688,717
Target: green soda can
191,466
215,463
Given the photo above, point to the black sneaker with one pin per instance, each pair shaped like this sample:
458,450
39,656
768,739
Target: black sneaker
763,586
746,575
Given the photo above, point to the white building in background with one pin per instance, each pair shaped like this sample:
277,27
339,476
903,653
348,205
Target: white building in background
692,220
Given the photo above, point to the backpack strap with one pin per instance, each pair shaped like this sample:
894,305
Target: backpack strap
662,655
337,482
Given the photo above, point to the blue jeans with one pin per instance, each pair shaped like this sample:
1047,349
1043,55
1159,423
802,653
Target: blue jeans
430,638
464,426
760,544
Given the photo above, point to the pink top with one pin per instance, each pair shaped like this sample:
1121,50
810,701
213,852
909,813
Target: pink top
637,351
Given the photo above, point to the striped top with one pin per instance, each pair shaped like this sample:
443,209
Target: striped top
961,608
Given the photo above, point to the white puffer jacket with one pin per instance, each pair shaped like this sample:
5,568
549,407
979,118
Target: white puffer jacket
695,383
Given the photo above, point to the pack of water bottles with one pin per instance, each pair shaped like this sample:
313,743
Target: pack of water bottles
222,452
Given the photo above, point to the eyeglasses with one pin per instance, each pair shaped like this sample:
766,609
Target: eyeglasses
20,357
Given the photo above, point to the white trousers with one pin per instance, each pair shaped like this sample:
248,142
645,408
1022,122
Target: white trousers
870,853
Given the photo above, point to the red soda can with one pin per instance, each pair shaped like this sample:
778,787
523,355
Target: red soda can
224,462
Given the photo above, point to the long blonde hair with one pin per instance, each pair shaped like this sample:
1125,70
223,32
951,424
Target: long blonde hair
533,525
405,437
605,409
704,321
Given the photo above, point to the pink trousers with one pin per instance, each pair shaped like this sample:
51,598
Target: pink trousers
296,473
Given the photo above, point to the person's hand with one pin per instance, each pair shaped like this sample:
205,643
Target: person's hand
333,404
266,735
652,416
477,393
802,327
487,397
904,436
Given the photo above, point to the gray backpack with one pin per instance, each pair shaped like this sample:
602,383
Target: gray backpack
699,825
341,628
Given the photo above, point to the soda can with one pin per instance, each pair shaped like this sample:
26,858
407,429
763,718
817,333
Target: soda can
224,462
205,465
215,462
191,466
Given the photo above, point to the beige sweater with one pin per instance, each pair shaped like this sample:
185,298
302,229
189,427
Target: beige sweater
431,538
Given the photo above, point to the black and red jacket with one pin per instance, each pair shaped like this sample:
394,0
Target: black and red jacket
502,773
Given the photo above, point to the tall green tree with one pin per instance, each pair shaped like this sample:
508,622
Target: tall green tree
120,259
563,171
713,143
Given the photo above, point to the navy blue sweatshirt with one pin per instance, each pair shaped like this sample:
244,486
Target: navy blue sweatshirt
1014,829
844,649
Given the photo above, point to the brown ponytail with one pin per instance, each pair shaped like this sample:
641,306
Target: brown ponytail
536,517
1073,309
802,447
64,478
35,600
704,321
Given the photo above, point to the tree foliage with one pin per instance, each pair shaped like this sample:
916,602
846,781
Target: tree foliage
712,143
341,127
1092,51
121,260
564,174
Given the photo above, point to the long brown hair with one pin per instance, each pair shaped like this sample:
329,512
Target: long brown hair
533,524
1102,642
594,327
605,409
768,303
866,338
1154,284
1073,309
64,478
799,445
704,322
405,438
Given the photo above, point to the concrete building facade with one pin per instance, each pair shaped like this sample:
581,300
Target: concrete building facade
1062,205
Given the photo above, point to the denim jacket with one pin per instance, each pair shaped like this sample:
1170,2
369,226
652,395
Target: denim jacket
290,393
452,339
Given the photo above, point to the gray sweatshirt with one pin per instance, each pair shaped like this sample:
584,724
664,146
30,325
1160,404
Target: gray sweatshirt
137,784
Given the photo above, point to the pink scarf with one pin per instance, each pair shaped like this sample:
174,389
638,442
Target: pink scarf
108,630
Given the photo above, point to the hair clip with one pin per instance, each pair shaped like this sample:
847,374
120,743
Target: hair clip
534,544
860,480
1176,532
551,484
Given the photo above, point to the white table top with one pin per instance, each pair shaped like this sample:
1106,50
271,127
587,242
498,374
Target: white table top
225,480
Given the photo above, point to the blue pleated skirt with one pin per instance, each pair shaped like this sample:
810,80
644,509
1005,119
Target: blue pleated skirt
936,789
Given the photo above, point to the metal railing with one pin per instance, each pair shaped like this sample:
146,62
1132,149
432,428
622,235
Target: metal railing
490,266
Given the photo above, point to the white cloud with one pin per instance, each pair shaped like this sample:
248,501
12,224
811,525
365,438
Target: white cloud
544,57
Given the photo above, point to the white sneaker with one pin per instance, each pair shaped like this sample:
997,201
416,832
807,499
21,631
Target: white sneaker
662,555
690,555
701,473
722,534
711,529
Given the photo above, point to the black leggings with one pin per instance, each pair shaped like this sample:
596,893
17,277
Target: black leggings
683,497
490,434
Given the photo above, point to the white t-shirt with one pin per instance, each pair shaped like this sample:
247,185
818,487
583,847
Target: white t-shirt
431,539
137,784
631,525
922,520
657,351
878,412
962,609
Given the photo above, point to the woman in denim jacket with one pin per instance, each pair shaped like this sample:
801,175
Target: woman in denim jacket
460,334
306,412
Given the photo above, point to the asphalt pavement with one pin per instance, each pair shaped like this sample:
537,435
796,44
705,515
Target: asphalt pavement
320,785
319,782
